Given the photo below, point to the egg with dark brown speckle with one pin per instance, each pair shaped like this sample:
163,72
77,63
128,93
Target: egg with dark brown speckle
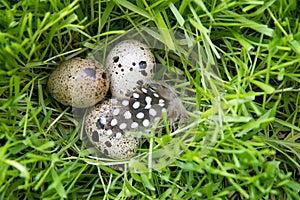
79,82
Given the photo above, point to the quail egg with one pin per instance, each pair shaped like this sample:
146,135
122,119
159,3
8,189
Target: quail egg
79,82
130,63
107,134
110,124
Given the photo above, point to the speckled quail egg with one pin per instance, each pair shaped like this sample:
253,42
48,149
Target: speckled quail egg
107,134
130,63
79,82
111,122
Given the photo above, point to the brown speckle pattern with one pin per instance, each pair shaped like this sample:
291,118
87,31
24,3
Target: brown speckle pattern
79,82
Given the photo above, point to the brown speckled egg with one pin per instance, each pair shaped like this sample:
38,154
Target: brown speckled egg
108,135
130,63
79,82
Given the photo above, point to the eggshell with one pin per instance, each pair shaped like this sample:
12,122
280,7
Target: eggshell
79,82
106,134
130,63
115,125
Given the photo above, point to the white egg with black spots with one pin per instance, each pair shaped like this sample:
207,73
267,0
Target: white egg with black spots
130,63
79,82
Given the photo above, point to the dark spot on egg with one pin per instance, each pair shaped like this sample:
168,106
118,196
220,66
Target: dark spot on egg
108,144
90,72
143,65
131,69
104,76
95,136
140,82
105,152
100,123
144,73
142,48
133,64
116,59
119,65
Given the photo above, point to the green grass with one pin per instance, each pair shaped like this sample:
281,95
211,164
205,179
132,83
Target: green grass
255,45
